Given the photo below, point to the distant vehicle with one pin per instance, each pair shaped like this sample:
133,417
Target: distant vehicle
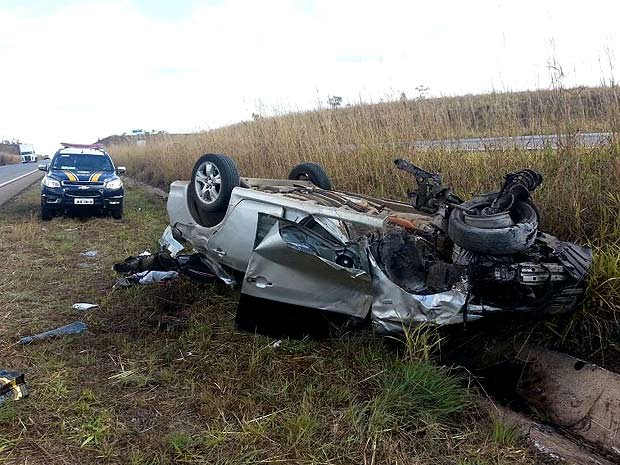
139,135
26,152
81,177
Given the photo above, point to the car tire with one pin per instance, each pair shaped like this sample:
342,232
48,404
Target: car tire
501,234
209,215
46,213
117,213
213,179
311,172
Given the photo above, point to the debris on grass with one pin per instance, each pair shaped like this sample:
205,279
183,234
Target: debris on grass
12,386
76,327
148,268
90,253
169,243
145,277
83,306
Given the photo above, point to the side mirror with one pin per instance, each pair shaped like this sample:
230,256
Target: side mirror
43,167
121,169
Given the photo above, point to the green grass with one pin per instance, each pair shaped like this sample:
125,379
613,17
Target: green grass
162,376
416,394
504,434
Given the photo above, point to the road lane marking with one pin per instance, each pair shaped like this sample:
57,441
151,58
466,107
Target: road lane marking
17,178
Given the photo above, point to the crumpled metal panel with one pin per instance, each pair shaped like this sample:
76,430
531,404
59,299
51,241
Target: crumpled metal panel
291,274
393,308
576,259
169,243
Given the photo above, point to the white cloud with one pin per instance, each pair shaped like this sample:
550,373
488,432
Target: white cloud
86,70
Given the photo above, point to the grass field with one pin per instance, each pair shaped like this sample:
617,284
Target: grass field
578,201
162,376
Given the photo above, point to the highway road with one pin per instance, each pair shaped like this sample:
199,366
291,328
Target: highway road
483,144
534,142
15,178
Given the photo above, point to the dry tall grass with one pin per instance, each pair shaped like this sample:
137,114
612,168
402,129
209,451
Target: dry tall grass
8,159
579,200
356,145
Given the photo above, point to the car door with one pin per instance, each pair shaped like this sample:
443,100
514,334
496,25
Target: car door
293,265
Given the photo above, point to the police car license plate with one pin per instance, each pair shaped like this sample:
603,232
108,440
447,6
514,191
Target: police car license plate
83,201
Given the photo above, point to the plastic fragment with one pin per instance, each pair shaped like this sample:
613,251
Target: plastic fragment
76,327
169,243
83,306
90,253
146,277
12,386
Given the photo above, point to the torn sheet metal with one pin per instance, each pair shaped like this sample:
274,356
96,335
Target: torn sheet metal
393,308
218,270
575,258
12,386
169,243
294,273
76,327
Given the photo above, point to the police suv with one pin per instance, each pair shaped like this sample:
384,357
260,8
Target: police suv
81,177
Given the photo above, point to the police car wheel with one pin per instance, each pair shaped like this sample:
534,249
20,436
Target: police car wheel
46,213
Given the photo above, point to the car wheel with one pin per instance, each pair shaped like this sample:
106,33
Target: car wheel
46,213
498,234
213,179
313,173
117,213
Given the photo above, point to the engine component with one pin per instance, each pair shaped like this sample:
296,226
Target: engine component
517,186
431,195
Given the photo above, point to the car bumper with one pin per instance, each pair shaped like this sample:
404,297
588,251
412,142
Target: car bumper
65,198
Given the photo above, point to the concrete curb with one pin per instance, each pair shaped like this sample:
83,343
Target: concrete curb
156,191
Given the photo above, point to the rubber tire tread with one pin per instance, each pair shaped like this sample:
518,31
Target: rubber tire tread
494,241
315,172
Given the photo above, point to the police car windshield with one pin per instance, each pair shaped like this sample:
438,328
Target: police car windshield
81,162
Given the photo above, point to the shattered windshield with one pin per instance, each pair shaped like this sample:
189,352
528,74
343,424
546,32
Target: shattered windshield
82,162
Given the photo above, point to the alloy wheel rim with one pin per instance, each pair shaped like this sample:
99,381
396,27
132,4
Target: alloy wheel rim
208,182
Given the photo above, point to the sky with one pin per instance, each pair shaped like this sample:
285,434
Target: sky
76,71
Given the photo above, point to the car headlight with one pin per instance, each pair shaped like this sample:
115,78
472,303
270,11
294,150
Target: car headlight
50,182
114,184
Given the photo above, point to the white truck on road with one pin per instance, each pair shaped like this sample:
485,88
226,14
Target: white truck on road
26,152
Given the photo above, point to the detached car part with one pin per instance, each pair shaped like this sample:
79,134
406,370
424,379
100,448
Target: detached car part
438,260
12,386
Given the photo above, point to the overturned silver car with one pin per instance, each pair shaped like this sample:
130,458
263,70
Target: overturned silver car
437,259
